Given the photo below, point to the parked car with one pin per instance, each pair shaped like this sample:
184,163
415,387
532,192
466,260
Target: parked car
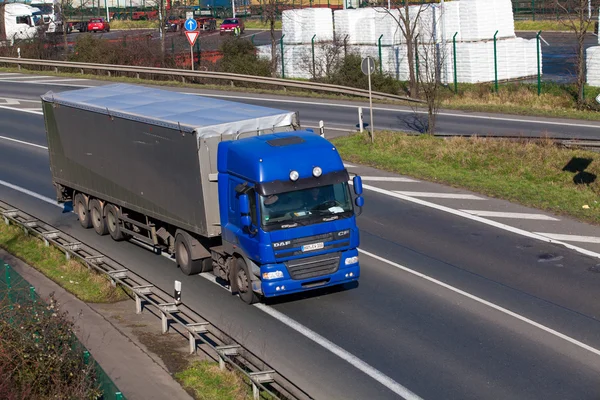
230,24
98,24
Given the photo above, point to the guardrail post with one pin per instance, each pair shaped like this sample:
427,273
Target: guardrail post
380,58
495,64
454,57
539,71
312,41
282,58
322,128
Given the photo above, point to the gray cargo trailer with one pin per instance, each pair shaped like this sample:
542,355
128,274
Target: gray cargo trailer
150,151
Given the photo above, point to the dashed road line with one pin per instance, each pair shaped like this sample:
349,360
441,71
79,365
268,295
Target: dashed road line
387,179
517,215
24,77
439,195
570,238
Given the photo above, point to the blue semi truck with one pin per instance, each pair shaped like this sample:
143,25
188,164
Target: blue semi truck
221,186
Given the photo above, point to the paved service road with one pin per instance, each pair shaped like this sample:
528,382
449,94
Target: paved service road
343,115
447,307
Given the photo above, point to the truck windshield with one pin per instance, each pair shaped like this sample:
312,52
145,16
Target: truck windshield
307,206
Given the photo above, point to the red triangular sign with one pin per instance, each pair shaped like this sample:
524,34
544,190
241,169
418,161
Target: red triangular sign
192,36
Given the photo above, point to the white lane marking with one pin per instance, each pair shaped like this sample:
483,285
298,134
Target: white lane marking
63,80
30,193
9,73
48,83
482,220
448,114
330,346
387,179
485,302
20,100
517,215
25,77
439,195
349,165
22,142
340,352
212,278
21,109
10,102
570,238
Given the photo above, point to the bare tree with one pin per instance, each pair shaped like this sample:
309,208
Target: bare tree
433,56
326,59
408,19
272,9
575,15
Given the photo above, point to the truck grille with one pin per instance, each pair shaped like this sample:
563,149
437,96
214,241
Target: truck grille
313,267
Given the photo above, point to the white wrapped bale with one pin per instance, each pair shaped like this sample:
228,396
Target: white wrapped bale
592,62
479,19
299,26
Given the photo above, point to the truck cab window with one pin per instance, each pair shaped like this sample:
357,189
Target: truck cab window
23,20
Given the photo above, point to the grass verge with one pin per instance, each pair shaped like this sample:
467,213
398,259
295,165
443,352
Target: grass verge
120,25
72,275
208,382
535,174
543,25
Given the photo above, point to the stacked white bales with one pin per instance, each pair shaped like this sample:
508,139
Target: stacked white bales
473,21
592,63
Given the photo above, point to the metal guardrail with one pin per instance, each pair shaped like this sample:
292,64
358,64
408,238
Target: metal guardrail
323,87
181,318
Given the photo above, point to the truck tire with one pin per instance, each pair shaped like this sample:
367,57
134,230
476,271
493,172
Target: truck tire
184,257
98,219
82,211
242,282
111,216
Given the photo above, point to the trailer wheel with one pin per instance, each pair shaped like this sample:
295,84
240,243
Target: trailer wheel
243,282
98,219
82,212
111,215
184,258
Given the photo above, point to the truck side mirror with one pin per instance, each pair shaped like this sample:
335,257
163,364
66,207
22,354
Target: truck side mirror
245,211
359,201
357,183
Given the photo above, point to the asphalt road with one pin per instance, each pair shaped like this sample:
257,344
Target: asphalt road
340,116
434,341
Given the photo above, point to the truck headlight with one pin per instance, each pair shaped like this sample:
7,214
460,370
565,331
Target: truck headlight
272,275
351,260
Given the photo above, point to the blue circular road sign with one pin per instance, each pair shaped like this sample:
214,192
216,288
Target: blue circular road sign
191,25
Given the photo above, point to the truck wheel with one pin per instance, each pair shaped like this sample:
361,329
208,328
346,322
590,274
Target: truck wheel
111,215
243,282
184,258
98,219
82,212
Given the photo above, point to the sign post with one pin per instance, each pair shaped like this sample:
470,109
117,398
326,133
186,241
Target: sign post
192,34
368,66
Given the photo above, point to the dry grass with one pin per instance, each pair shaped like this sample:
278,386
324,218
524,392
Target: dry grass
126,25
543,25
76,278
539,175
208,382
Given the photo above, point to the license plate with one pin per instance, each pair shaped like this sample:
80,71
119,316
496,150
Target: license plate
314,246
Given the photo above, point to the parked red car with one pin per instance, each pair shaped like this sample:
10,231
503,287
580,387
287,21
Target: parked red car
230,24
98,24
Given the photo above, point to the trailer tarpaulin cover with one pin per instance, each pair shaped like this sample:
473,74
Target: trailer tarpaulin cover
188,113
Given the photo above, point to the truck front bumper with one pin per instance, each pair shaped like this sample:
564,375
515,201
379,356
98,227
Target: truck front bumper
287,285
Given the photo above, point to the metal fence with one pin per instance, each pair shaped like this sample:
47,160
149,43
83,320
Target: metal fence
16,290
546,9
